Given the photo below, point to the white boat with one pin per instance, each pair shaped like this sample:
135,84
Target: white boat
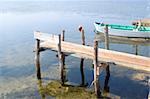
124,31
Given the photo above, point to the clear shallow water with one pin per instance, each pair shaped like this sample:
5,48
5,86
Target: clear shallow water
18,20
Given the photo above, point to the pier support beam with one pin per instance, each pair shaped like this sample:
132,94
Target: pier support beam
136,49
95,61
149,88
82,59
106,38
107,68
106,87
63,78
37,59
60,56
82,34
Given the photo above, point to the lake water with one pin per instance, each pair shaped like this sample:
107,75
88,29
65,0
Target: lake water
18,21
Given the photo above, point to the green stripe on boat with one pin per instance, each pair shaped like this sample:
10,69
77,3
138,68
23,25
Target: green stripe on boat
125,27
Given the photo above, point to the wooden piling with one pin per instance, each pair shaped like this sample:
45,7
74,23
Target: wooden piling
106,38
95,61
106,87
63,38
136,49
82,59
107,68
63,59
82,72
63,35
37,59
60,58
82,34
149,87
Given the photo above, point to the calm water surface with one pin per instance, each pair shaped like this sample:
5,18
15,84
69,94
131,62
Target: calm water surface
18,20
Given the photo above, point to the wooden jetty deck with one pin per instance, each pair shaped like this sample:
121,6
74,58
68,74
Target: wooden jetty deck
123,59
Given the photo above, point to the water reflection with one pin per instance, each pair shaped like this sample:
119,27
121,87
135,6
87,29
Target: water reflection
62,84
136,43
106,86
82,72
40,87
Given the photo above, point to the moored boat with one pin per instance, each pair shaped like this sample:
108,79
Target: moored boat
124,31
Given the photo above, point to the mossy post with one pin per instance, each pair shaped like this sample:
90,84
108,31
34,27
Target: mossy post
96,80
82,59
60,58
107,47
37,59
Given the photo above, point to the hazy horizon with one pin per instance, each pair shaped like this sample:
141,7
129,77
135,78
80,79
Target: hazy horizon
74,0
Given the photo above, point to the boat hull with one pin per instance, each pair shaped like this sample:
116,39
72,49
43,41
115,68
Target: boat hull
123,33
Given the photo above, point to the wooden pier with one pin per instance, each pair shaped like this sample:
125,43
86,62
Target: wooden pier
124,59
99,56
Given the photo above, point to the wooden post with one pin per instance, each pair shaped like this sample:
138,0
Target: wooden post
82,34
106,38
107,68
136,49
82,59
63,59
37,59
96,82
106,87
82,72
149,87
63,35
60,59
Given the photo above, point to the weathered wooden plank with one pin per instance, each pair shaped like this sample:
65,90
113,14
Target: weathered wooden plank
123,59
45,36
